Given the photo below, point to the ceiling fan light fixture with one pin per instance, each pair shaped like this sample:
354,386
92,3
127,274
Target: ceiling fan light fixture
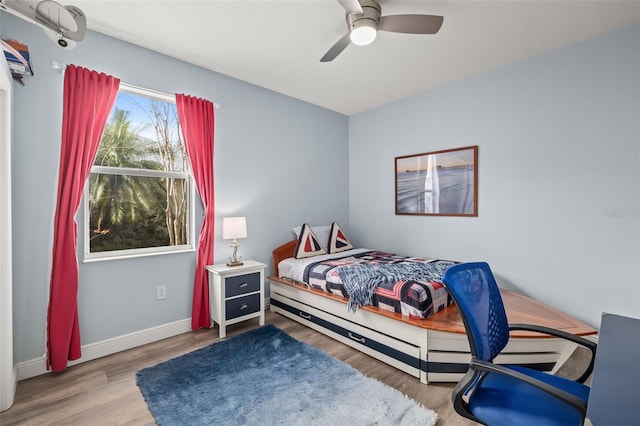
364,32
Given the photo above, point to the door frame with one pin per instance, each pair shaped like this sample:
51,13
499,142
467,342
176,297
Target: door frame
8,374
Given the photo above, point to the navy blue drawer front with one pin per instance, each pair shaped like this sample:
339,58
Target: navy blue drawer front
242,284
242,306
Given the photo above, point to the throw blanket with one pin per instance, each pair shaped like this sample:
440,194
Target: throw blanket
360,281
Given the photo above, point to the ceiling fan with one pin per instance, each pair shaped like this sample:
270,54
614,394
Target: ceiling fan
364,20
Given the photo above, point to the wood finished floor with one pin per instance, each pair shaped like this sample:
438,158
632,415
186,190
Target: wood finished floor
104,391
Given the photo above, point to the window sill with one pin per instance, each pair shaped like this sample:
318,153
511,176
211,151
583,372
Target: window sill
109,257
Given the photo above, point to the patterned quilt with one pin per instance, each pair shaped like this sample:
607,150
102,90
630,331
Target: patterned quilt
410,286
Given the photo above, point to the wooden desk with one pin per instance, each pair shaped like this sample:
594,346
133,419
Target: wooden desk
615,397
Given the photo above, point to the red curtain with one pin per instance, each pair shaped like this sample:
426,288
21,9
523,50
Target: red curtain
88,99
196,122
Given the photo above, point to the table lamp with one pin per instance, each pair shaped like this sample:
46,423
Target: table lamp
232,229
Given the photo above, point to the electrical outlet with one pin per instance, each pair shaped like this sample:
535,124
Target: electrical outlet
161,292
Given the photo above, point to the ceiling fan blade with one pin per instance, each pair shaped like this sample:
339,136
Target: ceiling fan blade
411,24
351,6
336,49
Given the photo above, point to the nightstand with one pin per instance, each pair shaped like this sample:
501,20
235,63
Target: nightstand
236,293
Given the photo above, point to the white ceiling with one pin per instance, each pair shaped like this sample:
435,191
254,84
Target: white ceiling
277,44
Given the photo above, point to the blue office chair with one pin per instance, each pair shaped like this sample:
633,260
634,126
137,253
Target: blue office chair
507,395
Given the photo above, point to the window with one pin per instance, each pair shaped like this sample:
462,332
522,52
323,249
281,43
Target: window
138,200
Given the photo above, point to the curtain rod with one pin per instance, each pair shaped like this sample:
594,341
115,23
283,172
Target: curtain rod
133,88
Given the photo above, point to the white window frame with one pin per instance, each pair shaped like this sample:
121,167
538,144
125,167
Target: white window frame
149,251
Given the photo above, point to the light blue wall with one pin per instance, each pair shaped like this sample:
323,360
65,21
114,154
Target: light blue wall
559,178
559,174
271,156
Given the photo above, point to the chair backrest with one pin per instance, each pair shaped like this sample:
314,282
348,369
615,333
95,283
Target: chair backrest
476,293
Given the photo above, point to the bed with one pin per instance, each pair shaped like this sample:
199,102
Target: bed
429,342
407,285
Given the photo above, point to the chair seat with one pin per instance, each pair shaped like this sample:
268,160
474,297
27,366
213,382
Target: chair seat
502,400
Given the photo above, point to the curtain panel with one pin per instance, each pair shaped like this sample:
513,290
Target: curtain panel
197,124
88,99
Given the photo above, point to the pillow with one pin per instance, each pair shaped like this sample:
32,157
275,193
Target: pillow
322,233
338,241
308,244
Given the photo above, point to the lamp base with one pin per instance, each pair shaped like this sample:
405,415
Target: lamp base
235,263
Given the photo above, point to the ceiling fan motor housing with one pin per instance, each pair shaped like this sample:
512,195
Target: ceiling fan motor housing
370,15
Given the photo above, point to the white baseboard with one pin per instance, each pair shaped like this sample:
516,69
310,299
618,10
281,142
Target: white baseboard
38,366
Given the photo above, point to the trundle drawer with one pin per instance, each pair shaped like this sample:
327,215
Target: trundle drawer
356,339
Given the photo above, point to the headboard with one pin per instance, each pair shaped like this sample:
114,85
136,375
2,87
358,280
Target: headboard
282,252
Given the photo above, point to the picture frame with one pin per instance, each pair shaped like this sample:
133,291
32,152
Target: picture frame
438,183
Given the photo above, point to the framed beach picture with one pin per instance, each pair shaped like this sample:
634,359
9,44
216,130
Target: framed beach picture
439,183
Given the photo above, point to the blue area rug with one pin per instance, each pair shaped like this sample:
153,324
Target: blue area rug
265,377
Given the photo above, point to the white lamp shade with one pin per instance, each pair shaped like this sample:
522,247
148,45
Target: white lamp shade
234,227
